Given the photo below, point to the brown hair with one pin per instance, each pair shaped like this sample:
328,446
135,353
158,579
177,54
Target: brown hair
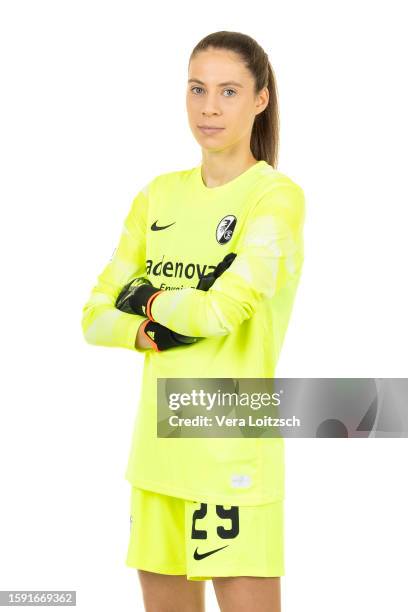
265,131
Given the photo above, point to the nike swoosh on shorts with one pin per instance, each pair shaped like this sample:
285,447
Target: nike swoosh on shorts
197,555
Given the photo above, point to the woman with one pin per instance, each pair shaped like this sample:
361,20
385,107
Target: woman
206,508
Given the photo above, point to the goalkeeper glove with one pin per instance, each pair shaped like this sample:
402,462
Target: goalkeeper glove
133,299
137,297
162,338
209,279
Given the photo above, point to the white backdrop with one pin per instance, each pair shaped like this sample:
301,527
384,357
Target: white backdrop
92,107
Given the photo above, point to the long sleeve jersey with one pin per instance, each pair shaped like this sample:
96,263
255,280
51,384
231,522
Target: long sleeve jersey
176,230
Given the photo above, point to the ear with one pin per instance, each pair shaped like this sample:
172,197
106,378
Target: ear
262,100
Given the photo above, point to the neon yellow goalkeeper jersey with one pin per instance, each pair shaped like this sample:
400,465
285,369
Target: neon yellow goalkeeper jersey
176,230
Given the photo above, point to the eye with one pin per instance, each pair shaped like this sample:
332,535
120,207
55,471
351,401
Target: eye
197,87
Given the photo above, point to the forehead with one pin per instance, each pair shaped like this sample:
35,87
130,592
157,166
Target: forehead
215,66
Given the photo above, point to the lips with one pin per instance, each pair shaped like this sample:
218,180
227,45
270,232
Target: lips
209,130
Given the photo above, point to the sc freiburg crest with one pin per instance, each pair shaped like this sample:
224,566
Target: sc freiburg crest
225,229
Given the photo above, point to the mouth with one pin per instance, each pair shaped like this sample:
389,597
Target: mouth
208,129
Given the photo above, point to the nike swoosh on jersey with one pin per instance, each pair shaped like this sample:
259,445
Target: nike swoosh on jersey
197,555
156,228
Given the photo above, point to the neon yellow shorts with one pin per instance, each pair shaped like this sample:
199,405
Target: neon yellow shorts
171,535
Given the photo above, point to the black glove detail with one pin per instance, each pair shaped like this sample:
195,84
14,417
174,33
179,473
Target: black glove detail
164,338
209,279
135,295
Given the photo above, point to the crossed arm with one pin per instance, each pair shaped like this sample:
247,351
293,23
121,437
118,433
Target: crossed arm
270,253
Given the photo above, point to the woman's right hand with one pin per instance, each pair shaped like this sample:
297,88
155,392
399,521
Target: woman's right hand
141,341
152,335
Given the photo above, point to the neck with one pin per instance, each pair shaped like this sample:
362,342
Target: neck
219,168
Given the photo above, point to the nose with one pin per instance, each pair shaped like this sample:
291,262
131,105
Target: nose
210,104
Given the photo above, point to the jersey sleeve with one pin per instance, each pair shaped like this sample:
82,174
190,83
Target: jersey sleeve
102,323
269,258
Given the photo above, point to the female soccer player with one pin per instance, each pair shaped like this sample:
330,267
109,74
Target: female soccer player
208,508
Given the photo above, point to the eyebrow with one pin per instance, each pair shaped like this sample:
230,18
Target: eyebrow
219,84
